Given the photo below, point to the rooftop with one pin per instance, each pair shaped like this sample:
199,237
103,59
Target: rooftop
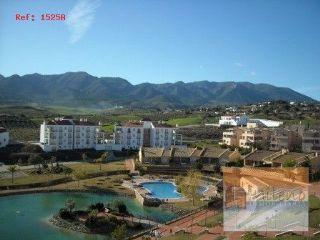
2,130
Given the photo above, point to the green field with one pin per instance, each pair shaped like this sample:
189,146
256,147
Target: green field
91,168
194,120
31,178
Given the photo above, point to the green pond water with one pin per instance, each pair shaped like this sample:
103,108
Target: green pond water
26,216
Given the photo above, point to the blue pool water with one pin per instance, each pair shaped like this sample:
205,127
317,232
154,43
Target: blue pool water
162,190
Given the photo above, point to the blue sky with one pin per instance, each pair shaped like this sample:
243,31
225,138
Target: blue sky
276,42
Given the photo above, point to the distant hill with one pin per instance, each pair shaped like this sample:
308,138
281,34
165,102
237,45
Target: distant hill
81,89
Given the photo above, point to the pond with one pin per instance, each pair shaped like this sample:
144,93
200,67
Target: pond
26,216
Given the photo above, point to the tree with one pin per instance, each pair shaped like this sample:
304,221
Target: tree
35,159
84,157
12,169
289,163
119,233
52,160
78,175
67,171
104,156
190,185
70,204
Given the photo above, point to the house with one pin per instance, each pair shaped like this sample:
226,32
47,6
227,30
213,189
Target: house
145,133
182,156
70,134
4,137
284,138
251,136
311,141
260,158
231,136
245,137
233,120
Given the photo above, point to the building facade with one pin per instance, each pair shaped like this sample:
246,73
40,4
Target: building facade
69,134
251,136
311,141
4,137
245,137
134,135
285,139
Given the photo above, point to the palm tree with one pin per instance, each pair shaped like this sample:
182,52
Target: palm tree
70,204
103,158
190,185
52,160
12,169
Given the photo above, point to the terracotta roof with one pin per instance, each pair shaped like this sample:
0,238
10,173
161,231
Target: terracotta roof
162,125
197,152
259,155
167,153
84,123
2,130
183,152
60,122
153,152
213,152
315,163
298,157
133,124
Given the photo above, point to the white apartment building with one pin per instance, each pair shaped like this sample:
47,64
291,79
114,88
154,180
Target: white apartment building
4,137
233,120
69,134
134,135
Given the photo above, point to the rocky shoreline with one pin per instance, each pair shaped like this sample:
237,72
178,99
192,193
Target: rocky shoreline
73,226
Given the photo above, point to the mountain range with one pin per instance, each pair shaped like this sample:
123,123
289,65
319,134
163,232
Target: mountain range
82,89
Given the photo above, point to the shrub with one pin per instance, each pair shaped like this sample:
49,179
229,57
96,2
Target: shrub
66,214
98,206
119,233
215,203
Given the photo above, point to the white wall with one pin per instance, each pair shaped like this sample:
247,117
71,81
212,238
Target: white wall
4,139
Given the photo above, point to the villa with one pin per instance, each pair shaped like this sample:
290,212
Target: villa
275,158
4,137
245,137
182,156
311,141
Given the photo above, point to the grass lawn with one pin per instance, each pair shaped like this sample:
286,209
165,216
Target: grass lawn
188,204
108,128
90,168
212,221
106,183
314,211
185,121
32,178
180,236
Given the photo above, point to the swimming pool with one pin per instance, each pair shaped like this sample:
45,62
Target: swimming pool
162,190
